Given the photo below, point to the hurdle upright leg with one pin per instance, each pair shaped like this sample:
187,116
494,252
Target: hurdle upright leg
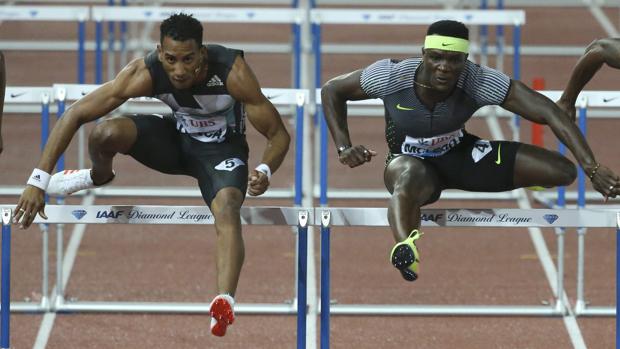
325,278
617,279
302,266
5,302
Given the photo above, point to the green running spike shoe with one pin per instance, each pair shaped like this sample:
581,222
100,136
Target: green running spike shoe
405,257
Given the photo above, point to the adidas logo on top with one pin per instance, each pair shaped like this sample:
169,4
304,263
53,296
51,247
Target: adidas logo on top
215,81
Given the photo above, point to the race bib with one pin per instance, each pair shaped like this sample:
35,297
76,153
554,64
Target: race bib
481,149
431,146
229,164
205,129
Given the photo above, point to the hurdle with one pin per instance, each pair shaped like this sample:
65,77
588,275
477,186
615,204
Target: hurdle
516,18
504,218
203,14
79,14
170,215
279,97
585,100
32,100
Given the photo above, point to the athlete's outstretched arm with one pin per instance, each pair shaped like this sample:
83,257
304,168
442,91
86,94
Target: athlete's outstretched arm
133,81
2,88
599,52
540,109
243,86
334,96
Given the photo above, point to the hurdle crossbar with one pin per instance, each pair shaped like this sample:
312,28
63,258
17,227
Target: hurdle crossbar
203,14
416,17
26,99
44,13
504,218
146,214
500,217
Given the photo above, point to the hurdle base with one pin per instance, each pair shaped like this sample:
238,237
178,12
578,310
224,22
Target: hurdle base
171,308
595,311
28,307
445,310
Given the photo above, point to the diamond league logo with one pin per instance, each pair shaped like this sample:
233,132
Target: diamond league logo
78,214
550,218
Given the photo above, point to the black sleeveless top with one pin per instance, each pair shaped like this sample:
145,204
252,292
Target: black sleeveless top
413,129
206,111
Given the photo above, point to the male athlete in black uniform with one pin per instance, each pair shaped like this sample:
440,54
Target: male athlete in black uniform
599,52
427,102
210,90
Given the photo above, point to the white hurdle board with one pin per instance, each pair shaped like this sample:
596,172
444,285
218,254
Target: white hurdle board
419,17
203,14
182,215
277,96
26,99
340,216
592,98
44,13
504,218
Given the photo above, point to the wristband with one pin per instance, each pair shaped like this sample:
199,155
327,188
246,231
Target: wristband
264,168
343,148
594,170
39,179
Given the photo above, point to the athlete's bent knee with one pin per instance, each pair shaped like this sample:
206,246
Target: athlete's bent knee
105,134
567,171
227,202
412,185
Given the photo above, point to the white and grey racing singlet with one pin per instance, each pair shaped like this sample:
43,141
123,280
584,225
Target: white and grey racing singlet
411,128
206,112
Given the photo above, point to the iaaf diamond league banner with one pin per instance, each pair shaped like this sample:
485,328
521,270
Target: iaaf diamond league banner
133,214
478,217
339,216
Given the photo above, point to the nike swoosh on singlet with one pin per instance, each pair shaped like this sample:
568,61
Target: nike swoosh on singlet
400,107
499,155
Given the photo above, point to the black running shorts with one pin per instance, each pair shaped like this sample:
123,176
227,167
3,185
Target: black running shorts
458,169
215,165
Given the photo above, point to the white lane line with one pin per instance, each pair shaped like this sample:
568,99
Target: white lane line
570,322
69,258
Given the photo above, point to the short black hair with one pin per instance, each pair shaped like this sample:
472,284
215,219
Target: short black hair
449,28
181,27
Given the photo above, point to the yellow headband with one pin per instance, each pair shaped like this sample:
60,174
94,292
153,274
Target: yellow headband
447,43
